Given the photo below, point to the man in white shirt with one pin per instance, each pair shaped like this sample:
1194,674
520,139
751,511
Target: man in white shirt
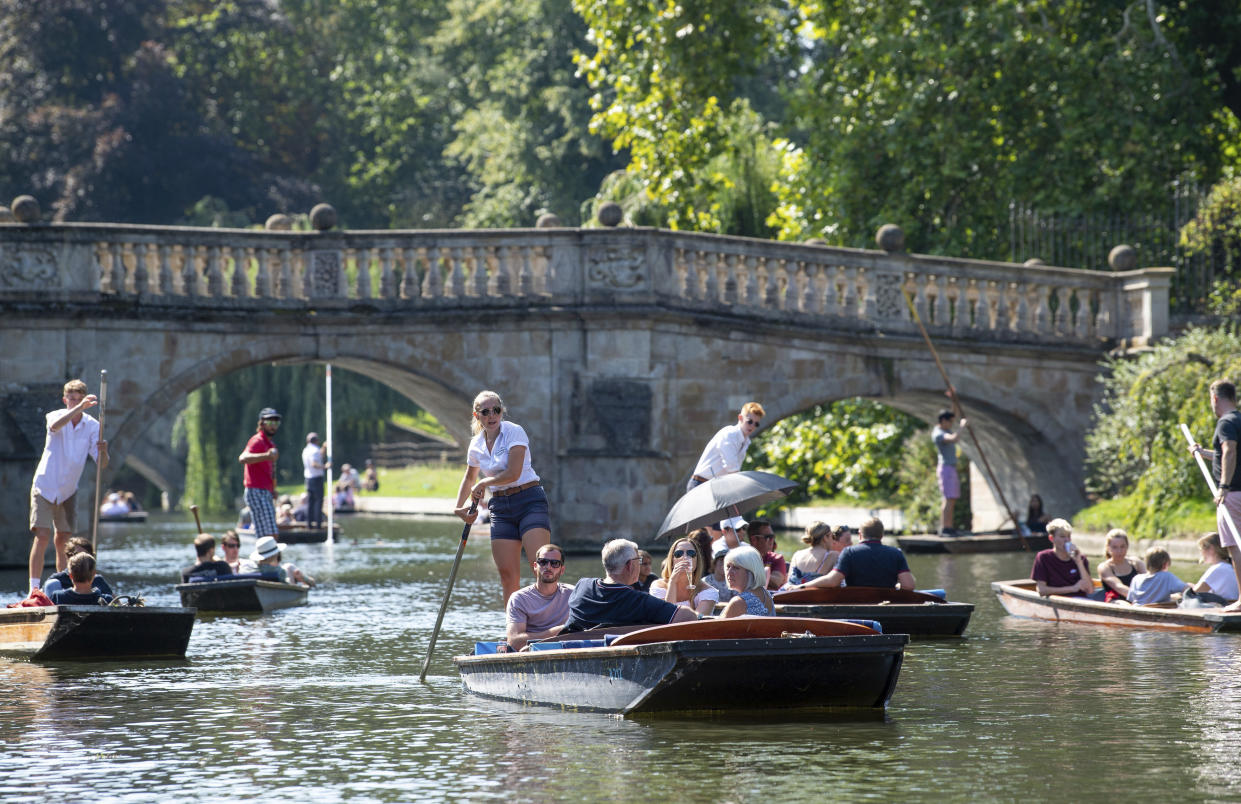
71,436
725,452
540,609
314,465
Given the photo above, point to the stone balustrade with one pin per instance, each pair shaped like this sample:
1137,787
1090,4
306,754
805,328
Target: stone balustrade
801,284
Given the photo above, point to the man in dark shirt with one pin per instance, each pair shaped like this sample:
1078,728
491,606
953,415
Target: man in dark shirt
612,600
207,566
1223,457
869,563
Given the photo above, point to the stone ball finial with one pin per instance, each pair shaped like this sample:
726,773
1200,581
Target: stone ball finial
323,217
279,223
26,209
610,213
6,214
890,238
1123,258
1033,261
548,220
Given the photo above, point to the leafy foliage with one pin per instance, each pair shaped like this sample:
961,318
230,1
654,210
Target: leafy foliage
1135,447
849,448
1216,232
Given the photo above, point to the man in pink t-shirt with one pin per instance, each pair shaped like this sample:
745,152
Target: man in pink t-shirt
259,460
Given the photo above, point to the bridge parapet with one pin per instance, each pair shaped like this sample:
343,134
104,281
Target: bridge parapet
808,285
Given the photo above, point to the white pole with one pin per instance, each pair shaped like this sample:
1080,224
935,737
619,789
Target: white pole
1236,535
328,454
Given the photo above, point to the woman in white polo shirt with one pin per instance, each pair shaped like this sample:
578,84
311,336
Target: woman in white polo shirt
500,453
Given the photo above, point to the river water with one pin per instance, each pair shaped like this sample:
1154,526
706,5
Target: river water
323,703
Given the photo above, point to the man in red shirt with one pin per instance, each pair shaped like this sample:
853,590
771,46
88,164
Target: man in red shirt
763,539
259,461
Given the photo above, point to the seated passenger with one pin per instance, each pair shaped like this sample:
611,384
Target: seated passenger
370,478
681,581
1117,571
284,514
131,500
1062,570
61,580
244,518
815,560
645,576
208,566
302,512
265,560
114,505
540,609
230,543
1219,583
1036,519
747,578
1157,584
763,539
716,578
612,600
82,573
868,563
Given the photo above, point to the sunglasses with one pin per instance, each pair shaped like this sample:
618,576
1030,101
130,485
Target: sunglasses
549,562
680,553
753,422
226,546
488,411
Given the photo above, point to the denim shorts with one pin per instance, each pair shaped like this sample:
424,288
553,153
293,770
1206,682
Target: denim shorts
517,514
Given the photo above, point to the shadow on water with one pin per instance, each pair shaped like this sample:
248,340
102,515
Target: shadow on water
323,703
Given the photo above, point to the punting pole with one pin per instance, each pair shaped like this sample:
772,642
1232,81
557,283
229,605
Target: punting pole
328,494
1236,534
956,403
452,576
103,403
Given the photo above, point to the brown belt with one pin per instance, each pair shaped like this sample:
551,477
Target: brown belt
700,479
514,489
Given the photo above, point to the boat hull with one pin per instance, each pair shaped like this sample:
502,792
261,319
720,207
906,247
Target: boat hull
243,595
132,516
836,672
299,535
923,620
96,632
981,543
1021,598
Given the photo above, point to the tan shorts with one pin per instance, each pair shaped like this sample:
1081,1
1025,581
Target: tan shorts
61,517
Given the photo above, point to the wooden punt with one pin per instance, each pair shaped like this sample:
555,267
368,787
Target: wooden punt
299,534
698,667
242,595
1021,598
131,516
898,611
977,543
96,632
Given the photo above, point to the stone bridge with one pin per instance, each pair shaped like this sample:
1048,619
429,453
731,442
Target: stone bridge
621,350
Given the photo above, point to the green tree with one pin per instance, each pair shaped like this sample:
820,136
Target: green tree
1135,447
934,115
851,448
666,77
1215,232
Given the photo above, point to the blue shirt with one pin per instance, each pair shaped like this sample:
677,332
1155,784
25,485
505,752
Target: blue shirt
594,603
61,580
68,597
871,563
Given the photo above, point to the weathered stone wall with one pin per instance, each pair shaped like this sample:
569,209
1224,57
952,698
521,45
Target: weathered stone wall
621,352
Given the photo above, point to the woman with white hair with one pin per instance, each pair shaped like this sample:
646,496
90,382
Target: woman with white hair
743,569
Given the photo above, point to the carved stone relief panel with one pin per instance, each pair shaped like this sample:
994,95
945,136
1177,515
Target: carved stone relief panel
325,274
28,269
616,268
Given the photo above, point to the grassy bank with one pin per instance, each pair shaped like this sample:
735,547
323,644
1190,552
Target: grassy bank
422,480
1188,520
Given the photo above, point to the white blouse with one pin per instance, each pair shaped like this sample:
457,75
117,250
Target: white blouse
710,593
495,462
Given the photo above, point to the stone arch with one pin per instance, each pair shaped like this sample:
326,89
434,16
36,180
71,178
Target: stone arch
430,391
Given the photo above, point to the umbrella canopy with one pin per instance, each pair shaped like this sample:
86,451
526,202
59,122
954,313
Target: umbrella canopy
723,497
